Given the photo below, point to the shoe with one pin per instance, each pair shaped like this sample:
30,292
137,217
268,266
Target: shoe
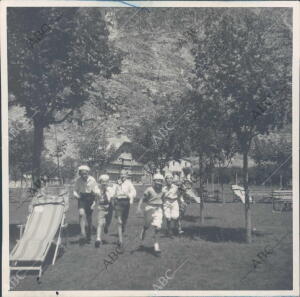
97,243
180,232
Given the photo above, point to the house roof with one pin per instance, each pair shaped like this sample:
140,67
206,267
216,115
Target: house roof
124,151
237,161
117,141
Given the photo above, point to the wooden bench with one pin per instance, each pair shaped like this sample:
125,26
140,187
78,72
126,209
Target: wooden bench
282,200
210,196
262,196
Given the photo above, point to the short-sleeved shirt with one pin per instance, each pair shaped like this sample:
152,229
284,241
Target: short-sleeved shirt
152,197
88,186
171,192
125,190
105,196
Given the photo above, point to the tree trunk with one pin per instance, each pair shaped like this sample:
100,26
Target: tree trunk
21,179
201,185
201,205
58,168
247,200
223,197
38,142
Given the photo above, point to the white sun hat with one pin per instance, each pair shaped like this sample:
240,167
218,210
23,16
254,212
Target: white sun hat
158,177
83,167
104,178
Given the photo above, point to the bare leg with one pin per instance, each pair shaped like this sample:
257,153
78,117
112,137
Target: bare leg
143,233
120,233
100,226
89,226
180,231
155,237
125,215
82,222
99,230
175,226
108,218
169,227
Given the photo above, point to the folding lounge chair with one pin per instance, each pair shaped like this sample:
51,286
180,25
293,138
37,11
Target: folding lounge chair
44,224
239,192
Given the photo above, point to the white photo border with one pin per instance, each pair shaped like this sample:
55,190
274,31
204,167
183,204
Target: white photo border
151,4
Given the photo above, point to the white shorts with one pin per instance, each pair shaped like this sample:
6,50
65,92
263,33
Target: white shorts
153,216
102,212
171,210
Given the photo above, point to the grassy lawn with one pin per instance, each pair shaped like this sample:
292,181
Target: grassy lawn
213,256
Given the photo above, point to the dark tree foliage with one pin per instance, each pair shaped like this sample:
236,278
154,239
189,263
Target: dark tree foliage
94,151
274,159
20,154
69,167
243,62
54,55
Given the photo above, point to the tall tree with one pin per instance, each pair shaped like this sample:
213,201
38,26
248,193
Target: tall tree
54,55
210,140
243,63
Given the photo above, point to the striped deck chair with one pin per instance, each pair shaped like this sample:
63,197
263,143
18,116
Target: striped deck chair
239,193
43,227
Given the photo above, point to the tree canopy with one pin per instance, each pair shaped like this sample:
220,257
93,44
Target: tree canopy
243,63
243,74
52,78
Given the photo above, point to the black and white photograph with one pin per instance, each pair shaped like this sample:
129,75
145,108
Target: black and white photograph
150,148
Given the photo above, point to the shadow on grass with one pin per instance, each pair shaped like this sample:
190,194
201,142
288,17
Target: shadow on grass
189,218
72,230
145,249
219,234
193,219
215,234
45,265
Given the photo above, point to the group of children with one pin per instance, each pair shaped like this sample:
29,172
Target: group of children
169,201
164,198
107,198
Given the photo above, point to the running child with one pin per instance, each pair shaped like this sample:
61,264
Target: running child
153,212
124,197
85,191
171,197
106,193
